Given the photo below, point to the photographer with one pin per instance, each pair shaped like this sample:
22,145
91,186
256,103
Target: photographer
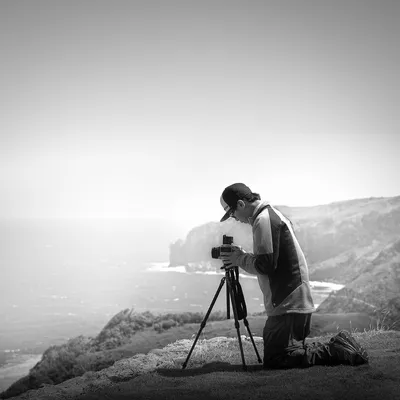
281,268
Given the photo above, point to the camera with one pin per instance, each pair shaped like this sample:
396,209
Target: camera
225,248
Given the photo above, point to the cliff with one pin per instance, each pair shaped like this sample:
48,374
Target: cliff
127,333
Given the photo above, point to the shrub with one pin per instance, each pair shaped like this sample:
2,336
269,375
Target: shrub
168,324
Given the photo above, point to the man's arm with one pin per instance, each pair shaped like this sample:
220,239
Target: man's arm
266,238
240,258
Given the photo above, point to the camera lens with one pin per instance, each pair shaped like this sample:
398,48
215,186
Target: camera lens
215,252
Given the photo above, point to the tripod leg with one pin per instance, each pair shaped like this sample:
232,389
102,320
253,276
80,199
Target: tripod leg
228,304
246,323
203,323
236,321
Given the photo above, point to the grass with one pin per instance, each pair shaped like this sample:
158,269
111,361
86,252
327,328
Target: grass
215,372
322,324
215,367
149,339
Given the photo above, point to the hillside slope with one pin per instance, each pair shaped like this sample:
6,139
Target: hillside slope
374,291
215,372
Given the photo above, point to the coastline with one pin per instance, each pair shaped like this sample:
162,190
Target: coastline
163,267
16,368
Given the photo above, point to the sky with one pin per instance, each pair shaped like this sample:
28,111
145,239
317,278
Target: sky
151,108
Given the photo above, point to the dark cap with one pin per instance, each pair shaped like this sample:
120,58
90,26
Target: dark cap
231,195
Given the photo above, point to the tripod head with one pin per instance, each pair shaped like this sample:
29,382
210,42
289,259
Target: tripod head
231,272
228,267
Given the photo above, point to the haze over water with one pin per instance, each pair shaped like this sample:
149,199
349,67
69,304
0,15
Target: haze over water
73,267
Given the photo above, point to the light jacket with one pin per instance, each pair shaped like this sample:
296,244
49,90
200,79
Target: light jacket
278,262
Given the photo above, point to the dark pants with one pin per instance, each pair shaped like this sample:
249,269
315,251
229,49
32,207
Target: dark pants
284,343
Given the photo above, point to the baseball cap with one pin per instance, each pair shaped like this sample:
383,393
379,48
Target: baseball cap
231,195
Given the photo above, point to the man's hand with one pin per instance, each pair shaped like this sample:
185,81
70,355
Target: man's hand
231,258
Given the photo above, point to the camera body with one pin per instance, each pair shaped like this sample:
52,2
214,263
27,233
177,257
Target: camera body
225,248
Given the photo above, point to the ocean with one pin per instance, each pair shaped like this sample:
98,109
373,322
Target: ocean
63,277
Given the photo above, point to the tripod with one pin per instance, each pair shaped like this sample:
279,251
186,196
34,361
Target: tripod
235,294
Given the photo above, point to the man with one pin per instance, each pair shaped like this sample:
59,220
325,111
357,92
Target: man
281,268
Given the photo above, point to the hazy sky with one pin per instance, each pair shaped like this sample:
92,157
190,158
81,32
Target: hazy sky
151,108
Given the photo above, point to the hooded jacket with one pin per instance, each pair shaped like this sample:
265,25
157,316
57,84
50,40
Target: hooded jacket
278,262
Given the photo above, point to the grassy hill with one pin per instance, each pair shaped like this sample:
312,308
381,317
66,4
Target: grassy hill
129,333
215,372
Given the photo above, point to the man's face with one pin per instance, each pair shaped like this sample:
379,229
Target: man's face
240,212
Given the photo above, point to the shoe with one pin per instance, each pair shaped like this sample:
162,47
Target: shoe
350,339
347,349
